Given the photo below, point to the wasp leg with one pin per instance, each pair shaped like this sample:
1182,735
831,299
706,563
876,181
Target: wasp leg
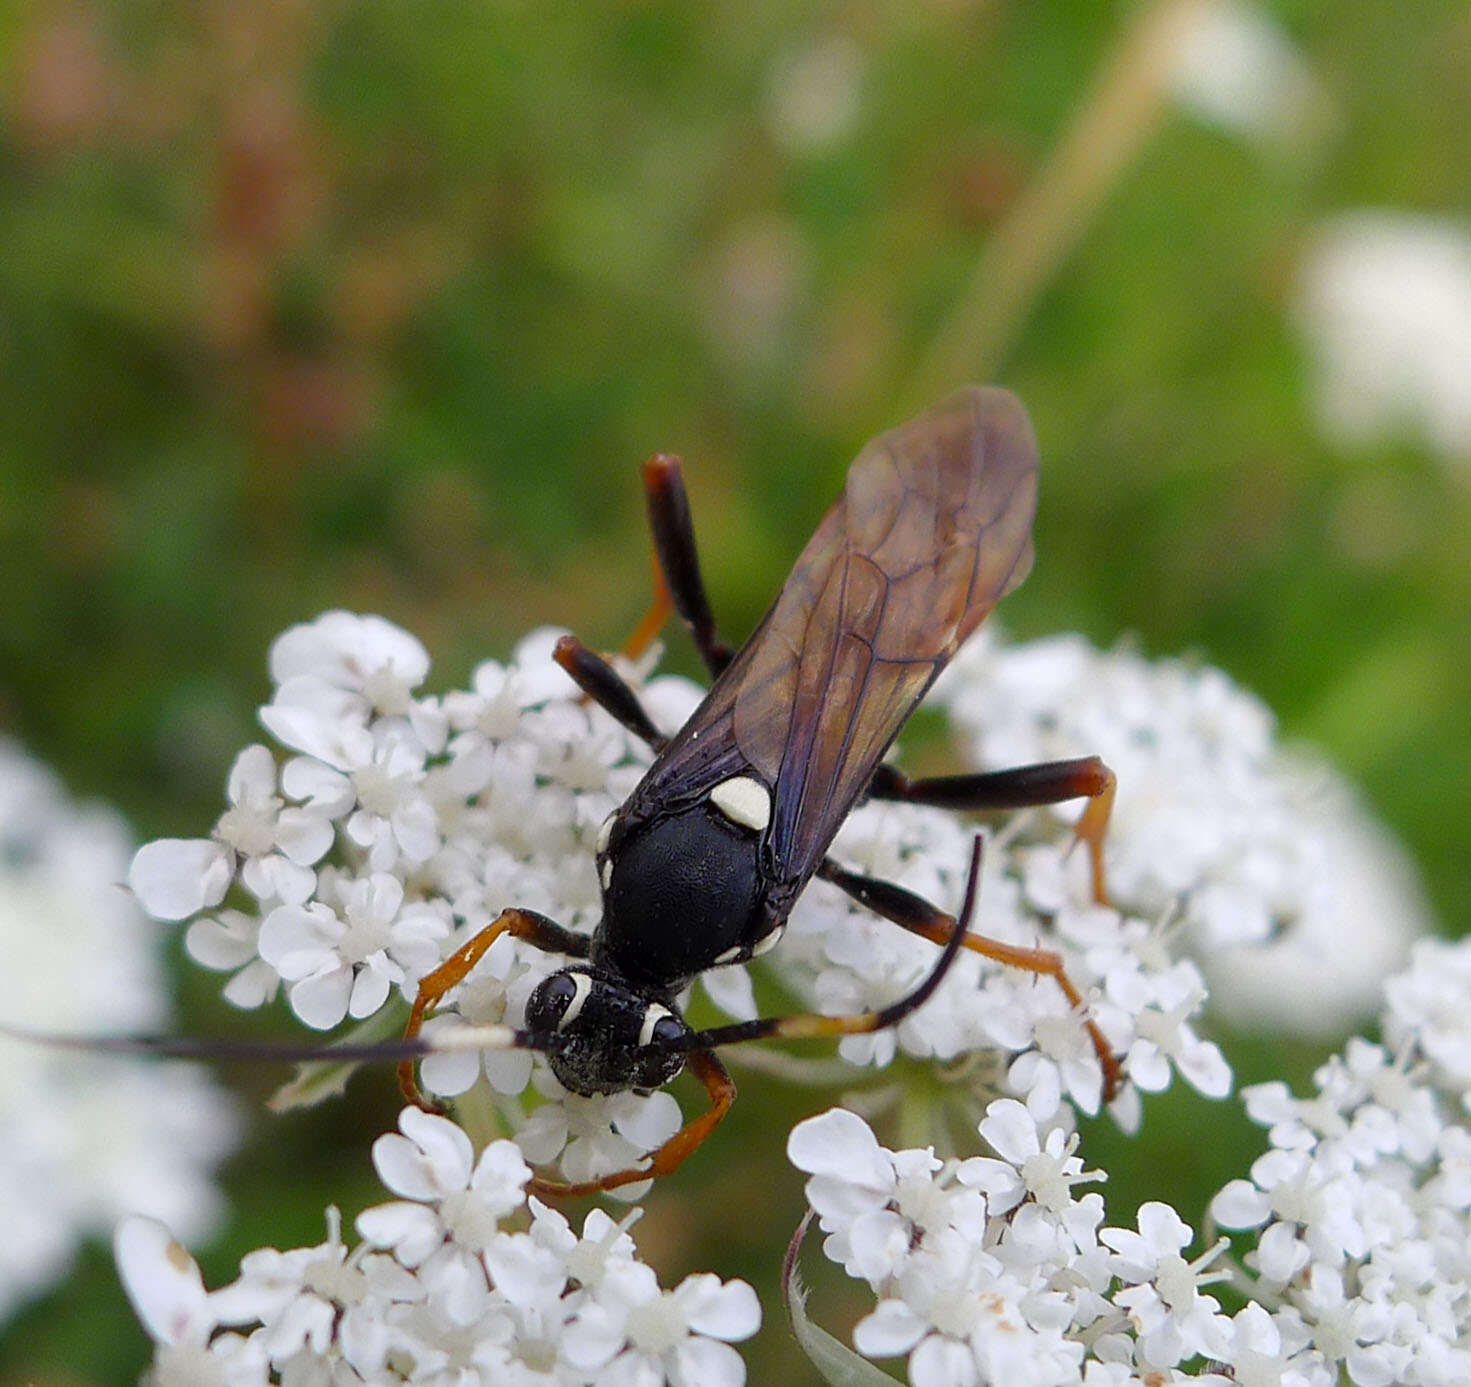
1050,782
647,631
679,560
535,929
948,931
668,1158
919,917
607,688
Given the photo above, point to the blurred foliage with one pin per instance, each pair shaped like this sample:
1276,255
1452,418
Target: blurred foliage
379,305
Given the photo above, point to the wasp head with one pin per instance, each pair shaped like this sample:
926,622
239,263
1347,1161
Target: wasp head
600,1033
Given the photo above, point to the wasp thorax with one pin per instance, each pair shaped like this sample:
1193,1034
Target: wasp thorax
600,1032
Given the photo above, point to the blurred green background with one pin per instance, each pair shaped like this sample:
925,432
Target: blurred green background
379,306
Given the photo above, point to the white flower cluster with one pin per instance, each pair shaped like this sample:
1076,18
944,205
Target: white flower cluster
400,826
991,1270
404,823
444,1290
1263,856
846,959
1362,1206
87,1139
1384,303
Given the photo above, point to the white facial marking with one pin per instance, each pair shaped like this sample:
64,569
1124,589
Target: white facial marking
607,874
606,832
583,983
729,956
743,801
768,942
655,1014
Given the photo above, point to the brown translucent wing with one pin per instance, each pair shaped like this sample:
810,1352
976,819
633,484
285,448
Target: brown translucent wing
933,528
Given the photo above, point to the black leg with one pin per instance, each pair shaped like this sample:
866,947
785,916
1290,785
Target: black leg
1050,782
607,688
674,540
919,917
943,929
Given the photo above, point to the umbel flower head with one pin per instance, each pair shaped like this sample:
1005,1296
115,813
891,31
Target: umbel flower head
388,825
441,1289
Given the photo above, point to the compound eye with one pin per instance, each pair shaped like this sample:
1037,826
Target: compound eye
557,992
668,1028
557,1001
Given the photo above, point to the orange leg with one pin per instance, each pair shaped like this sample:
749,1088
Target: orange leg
660,610
673,1154
1049,964
1092,828
523,924
919,917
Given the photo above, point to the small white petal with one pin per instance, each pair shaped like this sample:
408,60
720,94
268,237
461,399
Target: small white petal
175,877
892,1328
321,1000
730,1311
162,1281
942,1362
500,1177
411,1230
707,1363
1240,1204
840,1144
432,1157
1011,1130
303,835
730,989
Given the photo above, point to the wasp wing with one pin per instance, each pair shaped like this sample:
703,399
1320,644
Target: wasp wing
933,528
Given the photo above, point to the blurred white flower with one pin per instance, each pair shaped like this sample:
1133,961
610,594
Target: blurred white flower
1384,302
1259,855
1235,67
88,1138
815,95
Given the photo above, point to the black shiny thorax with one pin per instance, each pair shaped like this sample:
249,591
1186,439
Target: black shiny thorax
683,891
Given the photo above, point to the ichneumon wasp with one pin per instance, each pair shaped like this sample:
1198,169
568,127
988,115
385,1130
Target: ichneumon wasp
702,863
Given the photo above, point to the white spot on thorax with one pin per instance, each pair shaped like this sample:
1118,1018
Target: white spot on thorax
605,833
743,801
607,874
768,942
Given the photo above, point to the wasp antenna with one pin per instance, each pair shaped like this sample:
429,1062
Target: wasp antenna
456,1039
449,1040
892,1015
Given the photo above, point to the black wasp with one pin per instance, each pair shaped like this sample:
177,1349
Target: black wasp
702,864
